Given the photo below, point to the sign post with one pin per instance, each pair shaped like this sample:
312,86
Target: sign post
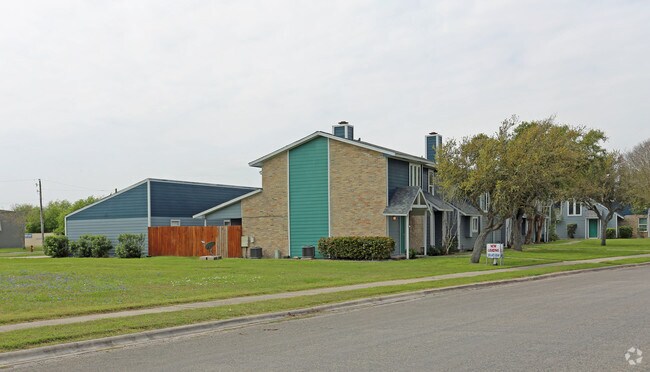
494,252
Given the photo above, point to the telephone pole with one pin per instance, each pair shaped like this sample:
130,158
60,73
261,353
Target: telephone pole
40,198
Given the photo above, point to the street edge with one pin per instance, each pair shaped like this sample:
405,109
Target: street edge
14,358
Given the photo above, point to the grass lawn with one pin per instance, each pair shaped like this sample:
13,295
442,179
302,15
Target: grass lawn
49,335
18,252
48,288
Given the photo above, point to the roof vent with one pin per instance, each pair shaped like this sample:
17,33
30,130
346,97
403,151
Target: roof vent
343,130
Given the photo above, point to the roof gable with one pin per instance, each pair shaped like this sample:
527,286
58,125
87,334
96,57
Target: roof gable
386,151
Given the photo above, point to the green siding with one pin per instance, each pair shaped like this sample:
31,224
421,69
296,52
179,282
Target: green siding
308,195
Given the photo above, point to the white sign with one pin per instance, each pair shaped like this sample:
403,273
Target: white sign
494,250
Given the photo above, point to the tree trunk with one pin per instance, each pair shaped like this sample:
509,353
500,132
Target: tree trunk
516,231
479,244
539,223
603,232
529,230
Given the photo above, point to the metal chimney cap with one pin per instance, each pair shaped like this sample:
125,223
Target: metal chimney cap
432,133
343,122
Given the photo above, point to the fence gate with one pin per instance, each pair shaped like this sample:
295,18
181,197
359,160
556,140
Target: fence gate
186,240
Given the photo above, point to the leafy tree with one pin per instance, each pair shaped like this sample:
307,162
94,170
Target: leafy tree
637,169
603,182
31,215
470,169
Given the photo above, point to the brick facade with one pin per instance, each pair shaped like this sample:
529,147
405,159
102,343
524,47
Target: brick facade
264,215
416,233
358,187
633,221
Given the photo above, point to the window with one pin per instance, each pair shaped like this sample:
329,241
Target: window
415,175
643,224
485,202
574,208
432,182
227,223
175,223
474,224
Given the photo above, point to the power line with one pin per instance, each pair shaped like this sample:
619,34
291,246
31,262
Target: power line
77,186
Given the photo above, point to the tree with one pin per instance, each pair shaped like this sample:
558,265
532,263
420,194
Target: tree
603,183
470,169
53,214
637,169
540,159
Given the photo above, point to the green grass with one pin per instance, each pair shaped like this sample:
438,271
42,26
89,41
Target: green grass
33,289
49,335
19,252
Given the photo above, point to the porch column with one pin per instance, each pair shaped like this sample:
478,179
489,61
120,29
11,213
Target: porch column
424,231
408,232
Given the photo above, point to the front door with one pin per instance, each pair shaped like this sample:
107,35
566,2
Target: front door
395,232
593,228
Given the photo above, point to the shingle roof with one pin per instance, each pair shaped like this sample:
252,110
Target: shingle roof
402,201
465,208
437,203
384,150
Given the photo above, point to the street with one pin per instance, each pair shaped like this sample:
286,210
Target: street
583,322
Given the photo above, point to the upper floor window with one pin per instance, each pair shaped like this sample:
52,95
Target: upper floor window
643,224
432,182
485,202
415,175
175,223
574,208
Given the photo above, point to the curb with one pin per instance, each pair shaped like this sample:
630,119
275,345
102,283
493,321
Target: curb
13,358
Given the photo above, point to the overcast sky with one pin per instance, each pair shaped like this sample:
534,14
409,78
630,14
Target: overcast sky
98,95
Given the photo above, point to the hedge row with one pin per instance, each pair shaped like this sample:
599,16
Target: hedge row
356,247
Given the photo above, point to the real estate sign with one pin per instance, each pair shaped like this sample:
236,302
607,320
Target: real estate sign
494,250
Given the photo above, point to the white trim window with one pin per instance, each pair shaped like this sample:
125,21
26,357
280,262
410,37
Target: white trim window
175,223
574,208
485,202
431,186
475,224
227,223
643,224
415,175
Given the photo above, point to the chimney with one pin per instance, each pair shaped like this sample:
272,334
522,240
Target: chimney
343,130
433,144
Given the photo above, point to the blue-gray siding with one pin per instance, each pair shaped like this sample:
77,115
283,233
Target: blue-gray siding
111,228
467,238
561,227
129,204
398,175
229,212
186,200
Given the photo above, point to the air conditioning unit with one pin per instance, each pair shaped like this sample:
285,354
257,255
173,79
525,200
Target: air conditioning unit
256,252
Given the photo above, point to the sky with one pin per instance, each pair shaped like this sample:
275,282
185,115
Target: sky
99,95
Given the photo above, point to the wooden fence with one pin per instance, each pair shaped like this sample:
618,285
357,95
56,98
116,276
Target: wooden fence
186,240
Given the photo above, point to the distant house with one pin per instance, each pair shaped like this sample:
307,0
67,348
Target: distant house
588,226
638,223
12,230
153,202
331,184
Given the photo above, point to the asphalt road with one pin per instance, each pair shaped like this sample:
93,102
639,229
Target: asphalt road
583,322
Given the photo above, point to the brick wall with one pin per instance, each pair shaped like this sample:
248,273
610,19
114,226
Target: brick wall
264,215
633,221
416,233
357,191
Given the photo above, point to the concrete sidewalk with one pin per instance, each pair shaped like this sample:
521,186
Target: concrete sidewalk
283,295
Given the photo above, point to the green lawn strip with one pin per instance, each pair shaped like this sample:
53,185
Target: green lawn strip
20,252
50,335
50,288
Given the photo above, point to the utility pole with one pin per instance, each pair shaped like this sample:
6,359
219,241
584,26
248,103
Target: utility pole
40,198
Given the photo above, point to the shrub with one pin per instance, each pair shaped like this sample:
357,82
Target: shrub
101,246
434,251
414,252
625,232
56,246
356,247
571,230
611,233
130,245
552,236
82,247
